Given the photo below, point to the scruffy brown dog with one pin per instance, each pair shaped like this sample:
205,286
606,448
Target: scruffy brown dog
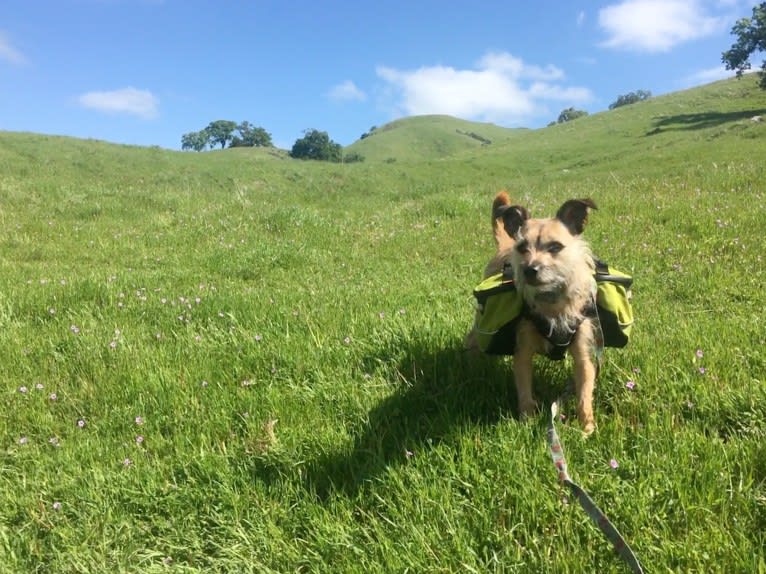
553,270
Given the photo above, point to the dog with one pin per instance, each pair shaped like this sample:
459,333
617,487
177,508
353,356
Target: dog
553,271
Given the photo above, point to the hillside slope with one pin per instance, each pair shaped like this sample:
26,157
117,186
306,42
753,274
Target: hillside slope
663,129
676,128
429,137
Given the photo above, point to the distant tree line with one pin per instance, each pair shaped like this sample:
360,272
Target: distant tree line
226,132
314,144
569,114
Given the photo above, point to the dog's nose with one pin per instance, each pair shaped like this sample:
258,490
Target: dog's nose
530,272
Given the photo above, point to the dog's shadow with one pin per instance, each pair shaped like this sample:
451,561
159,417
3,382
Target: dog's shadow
435,394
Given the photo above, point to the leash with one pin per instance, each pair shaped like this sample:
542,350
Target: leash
594,512
557,454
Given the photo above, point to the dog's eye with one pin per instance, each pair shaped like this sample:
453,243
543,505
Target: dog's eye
522,247
554,247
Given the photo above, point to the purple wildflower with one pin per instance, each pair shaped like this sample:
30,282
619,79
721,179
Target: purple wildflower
614,464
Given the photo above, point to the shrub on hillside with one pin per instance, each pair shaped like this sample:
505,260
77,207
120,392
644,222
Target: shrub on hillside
630,98
317,145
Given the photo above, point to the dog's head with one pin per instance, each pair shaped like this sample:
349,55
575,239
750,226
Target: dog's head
552,264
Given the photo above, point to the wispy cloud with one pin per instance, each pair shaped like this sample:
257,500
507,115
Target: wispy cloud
500,88
655,25
9,53
131,101
346,91
707,76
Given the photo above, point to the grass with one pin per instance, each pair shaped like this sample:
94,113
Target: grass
420,138
265,356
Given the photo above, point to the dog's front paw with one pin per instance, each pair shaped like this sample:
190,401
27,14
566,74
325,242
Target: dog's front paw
527,408
588,425
471,344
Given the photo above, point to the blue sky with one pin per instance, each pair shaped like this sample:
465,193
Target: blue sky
147,71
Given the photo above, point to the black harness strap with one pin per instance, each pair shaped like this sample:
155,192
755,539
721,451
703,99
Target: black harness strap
558,335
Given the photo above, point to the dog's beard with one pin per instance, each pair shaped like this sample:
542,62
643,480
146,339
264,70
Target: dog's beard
549,293
551,290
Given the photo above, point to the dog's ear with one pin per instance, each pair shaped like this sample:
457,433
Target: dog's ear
574,214
513,217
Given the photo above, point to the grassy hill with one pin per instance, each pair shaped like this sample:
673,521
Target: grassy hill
659,132
429,137
220,362
672,125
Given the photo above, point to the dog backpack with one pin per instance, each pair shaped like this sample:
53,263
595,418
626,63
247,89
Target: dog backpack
500,307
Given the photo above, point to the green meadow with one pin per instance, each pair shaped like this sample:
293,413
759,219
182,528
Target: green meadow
238,362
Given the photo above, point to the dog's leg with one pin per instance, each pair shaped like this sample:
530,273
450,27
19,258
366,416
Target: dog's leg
522,368
584,376
470,342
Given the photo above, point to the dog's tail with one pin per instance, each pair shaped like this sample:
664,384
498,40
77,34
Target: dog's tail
499,206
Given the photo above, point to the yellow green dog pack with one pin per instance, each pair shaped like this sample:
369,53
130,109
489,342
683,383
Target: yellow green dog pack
501,307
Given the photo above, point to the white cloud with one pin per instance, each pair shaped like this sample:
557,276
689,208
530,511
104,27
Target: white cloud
346,91
512,66
501,88
141,103
654,25
580,19
9,53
